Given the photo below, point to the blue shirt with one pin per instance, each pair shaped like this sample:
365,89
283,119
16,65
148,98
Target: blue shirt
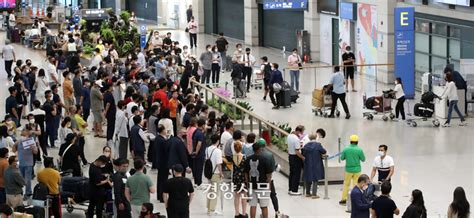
360,206
198,136
86,94
159,73
276,77
337,81
25,154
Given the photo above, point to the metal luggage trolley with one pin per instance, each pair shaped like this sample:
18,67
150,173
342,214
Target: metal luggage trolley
382,105
322,103
257,81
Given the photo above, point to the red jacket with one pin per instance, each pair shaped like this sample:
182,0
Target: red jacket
161,95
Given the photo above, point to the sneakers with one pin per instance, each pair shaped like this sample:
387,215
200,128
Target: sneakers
348,116
446,125
214,213
294,193
342,202
463,123
276,107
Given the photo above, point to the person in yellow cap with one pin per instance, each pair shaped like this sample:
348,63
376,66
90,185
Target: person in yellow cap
353,155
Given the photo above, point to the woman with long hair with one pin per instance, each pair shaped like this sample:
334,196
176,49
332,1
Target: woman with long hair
238,179
400,96
64,129
417,207
41,85
451,94
460,207
5,140
69,155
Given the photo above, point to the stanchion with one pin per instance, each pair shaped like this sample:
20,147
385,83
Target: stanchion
326,182
339,149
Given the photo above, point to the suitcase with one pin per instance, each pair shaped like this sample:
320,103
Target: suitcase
285,98
15,36
294,96
423,110
228,63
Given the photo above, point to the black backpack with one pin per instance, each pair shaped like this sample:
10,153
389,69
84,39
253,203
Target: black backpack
267,71
40,192
208,169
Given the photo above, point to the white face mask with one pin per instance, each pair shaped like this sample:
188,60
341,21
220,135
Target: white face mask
381,153
365,187
32,121
240,49
18,163
100,42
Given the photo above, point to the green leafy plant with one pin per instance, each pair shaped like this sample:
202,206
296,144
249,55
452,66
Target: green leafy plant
88,48
279,142
125,16
127,48
107,35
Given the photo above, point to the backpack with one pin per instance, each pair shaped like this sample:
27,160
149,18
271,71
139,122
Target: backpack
208,169
267,71
40,192
221,43
236,71
428,97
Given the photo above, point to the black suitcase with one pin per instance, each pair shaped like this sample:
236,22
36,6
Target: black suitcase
285,98
294,96
15,36
424,110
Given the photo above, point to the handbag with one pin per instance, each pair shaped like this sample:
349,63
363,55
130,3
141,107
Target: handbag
276,87
186,30
200,71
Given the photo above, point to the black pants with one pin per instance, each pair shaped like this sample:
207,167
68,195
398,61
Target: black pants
216,70
175,125
8,67
193,39
151,155
275,102
139,154
248,75
96,202
399,109
198,166
86,112
342,98
295,173
177,213
273,196
123,147
82,143
110,128
206,77
160,182
3,196
126,213
56,205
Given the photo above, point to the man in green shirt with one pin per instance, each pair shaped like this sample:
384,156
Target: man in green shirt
138,188
353,155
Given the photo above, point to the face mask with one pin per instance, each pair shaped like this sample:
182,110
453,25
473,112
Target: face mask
240,49
381,153
365,187
18,163
294,53
32,121
143,214
209,49
273,69
100,42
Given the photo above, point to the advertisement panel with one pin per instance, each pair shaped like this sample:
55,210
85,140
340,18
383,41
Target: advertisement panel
285,4
366,38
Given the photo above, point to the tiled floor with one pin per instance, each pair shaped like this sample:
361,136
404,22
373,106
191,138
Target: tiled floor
435,160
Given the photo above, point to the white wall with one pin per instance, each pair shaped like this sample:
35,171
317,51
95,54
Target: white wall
326,38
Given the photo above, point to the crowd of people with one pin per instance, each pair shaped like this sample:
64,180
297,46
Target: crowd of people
155,116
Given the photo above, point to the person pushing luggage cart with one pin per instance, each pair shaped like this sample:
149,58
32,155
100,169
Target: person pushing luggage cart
338,92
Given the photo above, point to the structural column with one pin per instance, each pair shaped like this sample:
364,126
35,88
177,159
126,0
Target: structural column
198,13
251,22
311,24
386,47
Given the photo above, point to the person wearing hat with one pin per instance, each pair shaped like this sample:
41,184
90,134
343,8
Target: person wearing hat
178,193
97,107
353,155
98,182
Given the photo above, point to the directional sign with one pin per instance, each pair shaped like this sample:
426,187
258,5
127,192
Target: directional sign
142,41
143,29
280,5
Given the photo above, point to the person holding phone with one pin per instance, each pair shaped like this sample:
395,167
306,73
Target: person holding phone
349,60
192,28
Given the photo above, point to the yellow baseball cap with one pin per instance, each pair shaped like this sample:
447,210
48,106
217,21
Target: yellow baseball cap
354,138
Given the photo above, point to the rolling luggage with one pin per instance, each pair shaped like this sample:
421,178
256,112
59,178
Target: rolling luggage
15,36
76,188
294,96
285,98
424,110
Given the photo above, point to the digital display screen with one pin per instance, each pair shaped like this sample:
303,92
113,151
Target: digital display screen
284,4
330,7
7,4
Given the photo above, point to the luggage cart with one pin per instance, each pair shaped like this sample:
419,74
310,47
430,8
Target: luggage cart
257,81
425,111
322,103
379,105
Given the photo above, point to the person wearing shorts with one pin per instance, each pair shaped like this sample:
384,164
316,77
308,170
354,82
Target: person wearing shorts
97,108
258,172
348,60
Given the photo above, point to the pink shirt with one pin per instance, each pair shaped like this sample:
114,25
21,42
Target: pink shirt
293,60
189,139
192,26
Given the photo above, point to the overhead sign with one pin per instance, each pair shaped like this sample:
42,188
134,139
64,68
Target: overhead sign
142,41
94,13
348,11
405,49
284,4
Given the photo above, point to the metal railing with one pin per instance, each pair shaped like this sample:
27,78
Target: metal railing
315,68
210,94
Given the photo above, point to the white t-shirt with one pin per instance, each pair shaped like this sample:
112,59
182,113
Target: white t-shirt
129,108
386,163
225,137
399,91
7,52
294,144
51,70
215,155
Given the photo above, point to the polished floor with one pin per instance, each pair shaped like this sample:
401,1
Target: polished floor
434,160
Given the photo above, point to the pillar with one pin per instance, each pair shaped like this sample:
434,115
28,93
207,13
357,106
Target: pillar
311,24
198,13
386,47
251,22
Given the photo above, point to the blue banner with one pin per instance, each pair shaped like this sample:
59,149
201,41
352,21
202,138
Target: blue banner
287,4
142,41
348,11
405,49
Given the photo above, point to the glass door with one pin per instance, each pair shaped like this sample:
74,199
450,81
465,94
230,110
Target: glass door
335,41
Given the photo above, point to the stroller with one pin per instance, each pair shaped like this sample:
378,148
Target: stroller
74,191
425,110
322,102
379,105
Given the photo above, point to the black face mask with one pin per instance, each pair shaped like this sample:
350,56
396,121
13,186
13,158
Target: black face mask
143,214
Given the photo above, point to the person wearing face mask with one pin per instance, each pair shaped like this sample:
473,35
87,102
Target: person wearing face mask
276,78
68,90
348,60
96,59
295,159
122,206
206,62
14,183
98,182
353,155
39,117
26,148
383,164
313,163
36,133
294,62
160,67
400,96
108,171
360,205
217,59
237,54
156,41
248,61
100,46
161,159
